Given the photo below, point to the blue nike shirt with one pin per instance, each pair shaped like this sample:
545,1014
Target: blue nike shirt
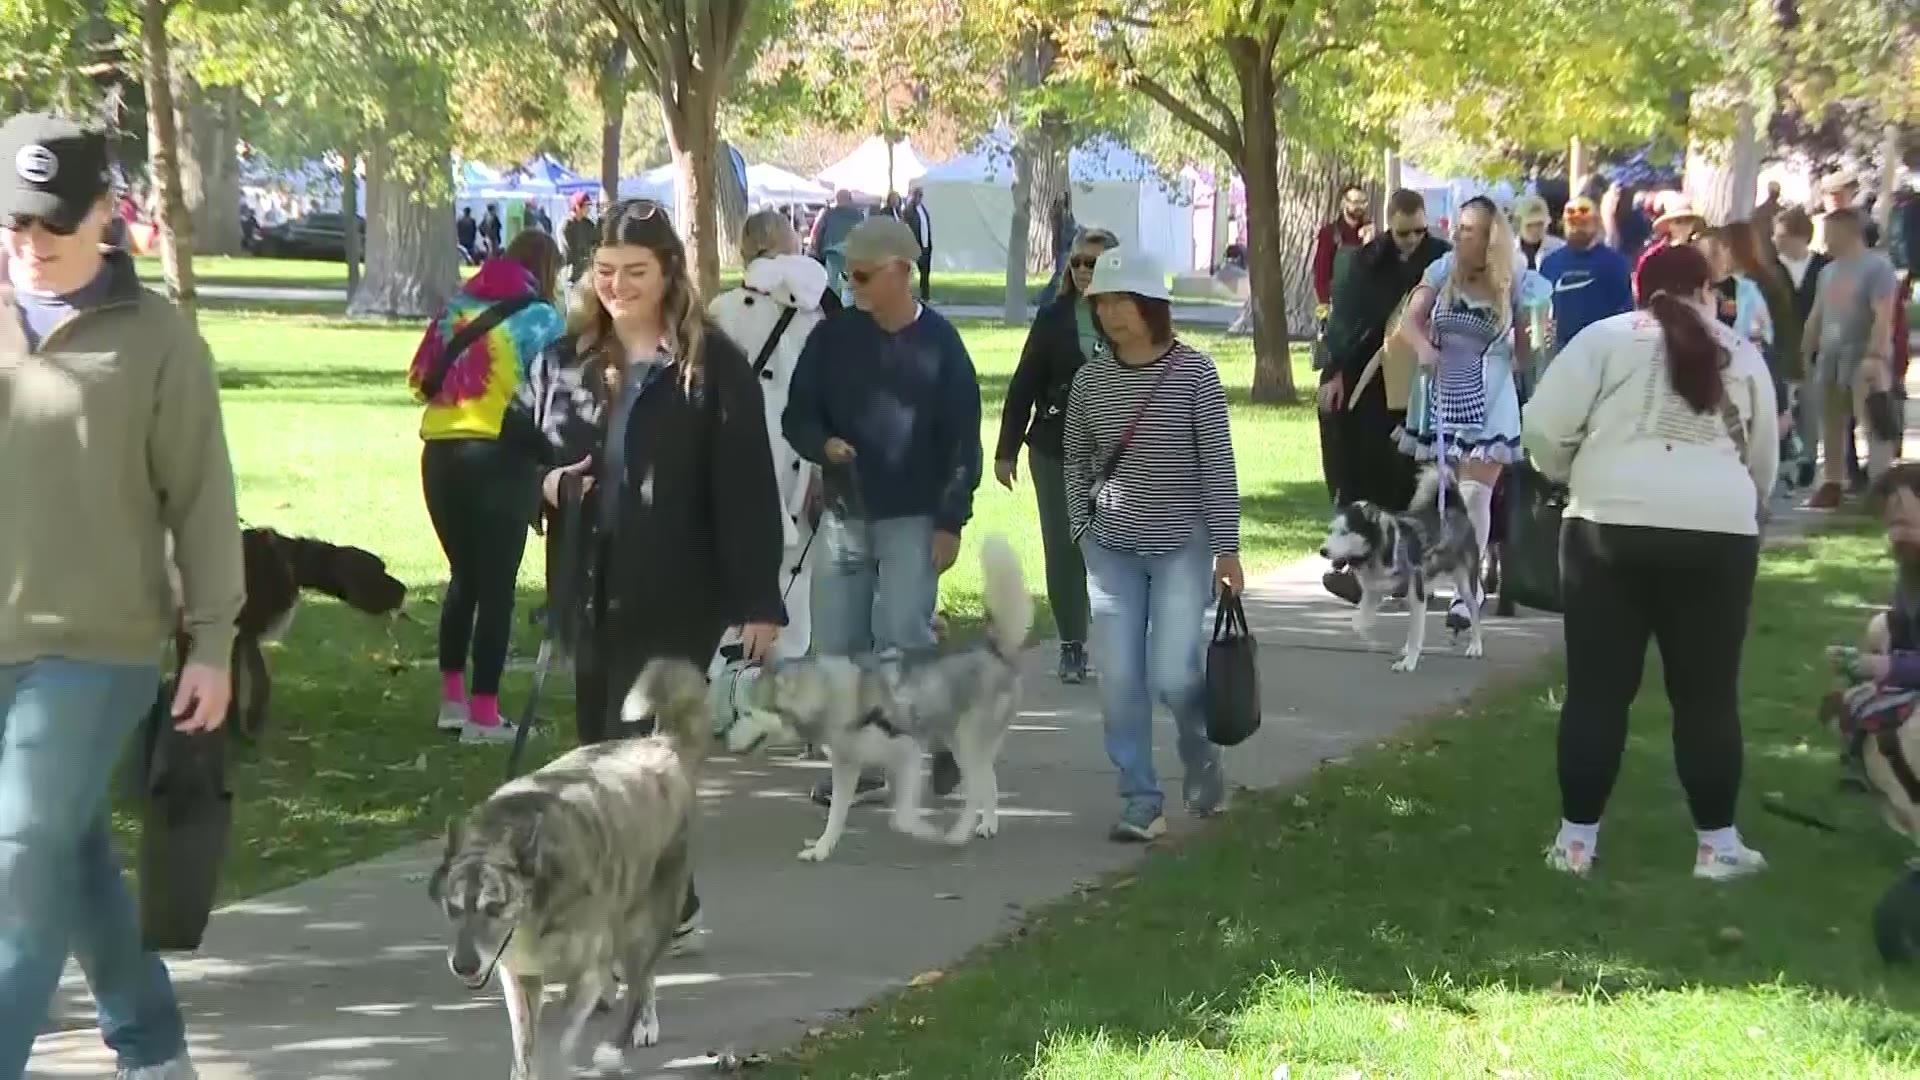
1589,284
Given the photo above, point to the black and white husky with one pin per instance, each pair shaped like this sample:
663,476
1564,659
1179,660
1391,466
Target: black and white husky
1389,551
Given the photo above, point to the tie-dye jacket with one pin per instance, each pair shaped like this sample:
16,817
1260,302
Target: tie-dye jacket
474,395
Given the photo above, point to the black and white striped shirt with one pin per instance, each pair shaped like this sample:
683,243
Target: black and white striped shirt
1177,474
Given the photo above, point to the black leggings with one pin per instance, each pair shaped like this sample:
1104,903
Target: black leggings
481,497
1691,592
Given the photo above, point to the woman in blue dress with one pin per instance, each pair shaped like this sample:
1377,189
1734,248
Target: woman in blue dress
1469,323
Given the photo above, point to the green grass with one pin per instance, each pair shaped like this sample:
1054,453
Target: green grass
324,443
1393,917
246,271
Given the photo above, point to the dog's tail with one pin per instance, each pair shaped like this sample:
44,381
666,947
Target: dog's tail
1009,605
671,696
1426,494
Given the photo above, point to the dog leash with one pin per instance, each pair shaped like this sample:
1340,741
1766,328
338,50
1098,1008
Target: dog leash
572,519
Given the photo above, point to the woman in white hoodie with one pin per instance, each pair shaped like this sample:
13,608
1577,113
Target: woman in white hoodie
769,317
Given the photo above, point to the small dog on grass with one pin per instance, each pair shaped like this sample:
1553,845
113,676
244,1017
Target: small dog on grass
579,868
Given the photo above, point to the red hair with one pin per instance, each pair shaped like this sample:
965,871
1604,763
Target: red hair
1670,279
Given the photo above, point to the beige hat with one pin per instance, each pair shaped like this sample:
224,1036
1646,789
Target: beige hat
878,239
1123,271
1675,206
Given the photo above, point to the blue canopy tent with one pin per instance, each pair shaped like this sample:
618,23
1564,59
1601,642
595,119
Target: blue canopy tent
546,177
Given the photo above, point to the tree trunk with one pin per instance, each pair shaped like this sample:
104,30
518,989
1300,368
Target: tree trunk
163,137
412,265
1889,184
613,114
1025,148
350,214
1722,178
1266,246
208,120
1050,181
694,140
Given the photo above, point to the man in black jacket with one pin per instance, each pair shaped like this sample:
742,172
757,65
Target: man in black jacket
916,216
1359,433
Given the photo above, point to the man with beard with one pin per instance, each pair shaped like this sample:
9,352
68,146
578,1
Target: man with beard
1591,281
1334,249
1359,433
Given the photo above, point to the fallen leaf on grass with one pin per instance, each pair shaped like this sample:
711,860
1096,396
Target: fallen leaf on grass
334,774
946,896
926,978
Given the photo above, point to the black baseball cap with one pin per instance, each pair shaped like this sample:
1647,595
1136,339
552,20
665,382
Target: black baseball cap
52,169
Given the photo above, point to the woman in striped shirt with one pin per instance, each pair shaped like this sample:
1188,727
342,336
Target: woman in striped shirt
1154,504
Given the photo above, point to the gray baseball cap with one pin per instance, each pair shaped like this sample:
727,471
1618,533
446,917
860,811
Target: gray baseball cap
878,239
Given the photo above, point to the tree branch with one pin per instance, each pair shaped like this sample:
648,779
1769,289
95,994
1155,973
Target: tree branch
1203,88
1159,94
1283,73
640,48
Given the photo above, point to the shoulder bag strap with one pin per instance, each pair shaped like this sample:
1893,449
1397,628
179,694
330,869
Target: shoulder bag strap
1133,425
773,339
470,333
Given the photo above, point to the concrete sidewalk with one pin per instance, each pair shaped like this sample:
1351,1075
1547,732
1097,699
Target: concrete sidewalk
343,978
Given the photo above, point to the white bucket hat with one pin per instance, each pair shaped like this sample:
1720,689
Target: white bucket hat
1122,270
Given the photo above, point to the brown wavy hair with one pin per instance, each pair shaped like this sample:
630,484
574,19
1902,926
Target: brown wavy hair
1669,280
535,250
644,223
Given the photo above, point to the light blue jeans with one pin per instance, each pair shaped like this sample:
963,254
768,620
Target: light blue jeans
1149,638
63,725
874,587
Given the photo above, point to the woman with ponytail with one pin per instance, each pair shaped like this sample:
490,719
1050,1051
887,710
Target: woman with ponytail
661,416
1662,423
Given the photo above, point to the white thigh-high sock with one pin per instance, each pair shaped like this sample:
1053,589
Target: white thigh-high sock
1479,500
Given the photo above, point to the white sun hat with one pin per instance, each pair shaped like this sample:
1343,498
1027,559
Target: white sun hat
1123,270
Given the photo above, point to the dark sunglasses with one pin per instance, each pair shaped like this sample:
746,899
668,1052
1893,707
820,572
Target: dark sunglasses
861,277
1409,234
24,222
1084,262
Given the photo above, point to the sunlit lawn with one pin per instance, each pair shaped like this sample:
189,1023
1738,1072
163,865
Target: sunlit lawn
1394,919
324,440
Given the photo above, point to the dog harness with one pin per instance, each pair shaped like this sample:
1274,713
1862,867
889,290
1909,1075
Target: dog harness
1877,712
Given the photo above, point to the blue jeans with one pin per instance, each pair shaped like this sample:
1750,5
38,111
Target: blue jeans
874,587
1149,638
63,724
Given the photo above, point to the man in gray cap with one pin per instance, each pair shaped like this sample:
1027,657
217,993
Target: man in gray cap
114,443
885,399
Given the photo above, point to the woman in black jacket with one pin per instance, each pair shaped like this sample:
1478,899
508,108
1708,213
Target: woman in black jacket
1063,337
661,415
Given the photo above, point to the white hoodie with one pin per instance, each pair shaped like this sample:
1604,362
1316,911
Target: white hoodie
748,316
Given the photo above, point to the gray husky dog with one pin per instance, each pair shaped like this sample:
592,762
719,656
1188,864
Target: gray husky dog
1390,551
580,867
884,709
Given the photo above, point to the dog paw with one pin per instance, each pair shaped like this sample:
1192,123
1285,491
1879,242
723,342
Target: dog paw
646,1030
987,829
1475,650
1406,664
816,852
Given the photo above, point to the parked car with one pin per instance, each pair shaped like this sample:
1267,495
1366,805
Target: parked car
312,236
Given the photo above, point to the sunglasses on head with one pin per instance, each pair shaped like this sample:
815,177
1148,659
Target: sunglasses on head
638,209
24,222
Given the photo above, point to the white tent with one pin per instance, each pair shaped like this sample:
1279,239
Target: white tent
865,171
662,185
970,200
768,184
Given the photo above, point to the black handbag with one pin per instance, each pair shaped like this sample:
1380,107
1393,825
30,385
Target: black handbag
1233,675
186,826
1530,550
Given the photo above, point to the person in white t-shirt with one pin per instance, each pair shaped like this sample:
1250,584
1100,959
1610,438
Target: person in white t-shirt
1662,422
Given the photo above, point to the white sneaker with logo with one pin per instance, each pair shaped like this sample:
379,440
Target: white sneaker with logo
471,732
453,716
1571,857
1724,863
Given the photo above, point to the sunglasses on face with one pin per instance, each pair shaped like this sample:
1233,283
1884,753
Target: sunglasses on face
1084,262
1410,234
25,222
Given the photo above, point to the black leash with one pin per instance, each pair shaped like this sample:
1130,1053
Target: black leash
559,609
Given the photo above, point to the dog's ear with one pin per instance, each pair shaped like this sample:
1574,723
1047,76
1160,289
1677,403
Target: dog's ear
531,863
436,884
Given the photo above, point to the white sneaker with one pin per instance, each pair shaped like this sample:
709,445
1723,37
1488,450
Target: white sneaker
1573,857
471,732
1727,864
453,716
177,1069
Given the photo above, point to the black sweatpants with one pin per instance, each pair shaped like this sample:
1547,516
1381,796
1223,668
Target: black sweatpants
611,657
481,497
1689,591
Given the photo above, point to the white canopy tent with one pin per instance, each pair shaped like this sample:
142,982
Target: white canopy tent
771,184
970,200
866,170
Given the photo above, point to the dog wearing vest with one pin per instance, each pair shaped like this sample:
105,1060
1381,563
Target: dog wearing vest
885,710
1432,540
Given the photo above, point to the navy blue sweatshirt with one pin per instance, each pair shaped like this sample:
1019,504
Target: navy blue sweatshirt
909,405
